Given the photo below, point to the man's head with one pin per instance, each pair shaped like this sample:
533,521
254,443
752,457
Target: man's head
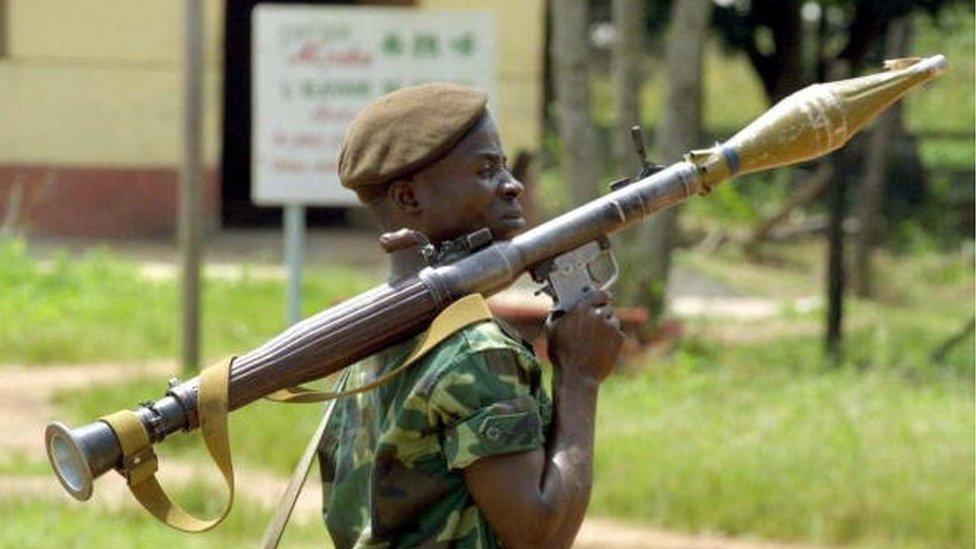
429,158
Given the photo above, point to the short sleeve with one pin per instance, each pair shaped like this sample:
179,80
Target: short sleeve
487,405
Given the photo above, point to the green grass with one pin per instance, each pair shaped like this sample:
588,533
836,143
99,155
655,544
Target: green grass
762,441
767,438
21,464
761,438
35,523
733,95
98,308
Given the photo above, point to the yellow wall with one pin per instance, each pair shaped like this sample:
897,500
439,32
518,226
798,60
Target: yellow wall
98,82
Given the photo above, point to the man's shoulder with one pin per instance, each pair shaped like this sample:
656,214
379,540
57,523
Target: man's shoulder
487,346
483,337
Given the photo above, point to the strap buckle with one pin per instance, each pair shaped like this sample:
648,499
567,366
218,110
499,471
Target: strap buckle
139,466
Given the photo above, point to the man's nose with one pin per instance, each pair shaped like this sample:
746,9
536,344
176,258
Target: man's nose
511,188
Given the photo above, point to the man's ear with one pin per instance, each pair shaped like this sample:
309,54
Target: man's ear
403,195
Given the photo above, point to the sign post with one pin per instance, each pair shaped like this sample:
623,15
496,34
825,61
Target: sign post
294,259
316,67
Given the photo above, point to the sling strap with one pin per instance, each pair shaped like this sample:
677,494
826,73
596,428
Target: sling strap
275,528
463,312
139,462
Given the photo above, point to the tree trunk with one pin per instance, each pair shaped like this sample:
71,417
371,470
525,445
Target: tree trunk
781,71
628,58
570,55
871,192
648,253
841,161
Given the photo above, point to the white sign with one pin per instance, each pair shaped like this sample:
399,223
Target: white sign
315,67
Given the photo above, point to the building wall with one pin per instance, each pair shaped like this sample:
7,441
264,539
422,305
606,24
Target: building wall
98,83
90,125
91,102
521,26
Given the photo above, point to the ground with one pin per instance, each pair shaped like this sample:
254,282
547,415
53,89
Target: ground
25,410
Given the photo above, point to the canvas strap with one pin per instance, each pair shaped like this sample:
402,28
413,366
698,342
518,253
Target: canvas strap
139,462
463,312
272,534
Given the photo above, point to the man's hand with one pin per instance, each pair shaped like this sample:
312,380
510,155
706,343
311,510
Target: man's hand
585,342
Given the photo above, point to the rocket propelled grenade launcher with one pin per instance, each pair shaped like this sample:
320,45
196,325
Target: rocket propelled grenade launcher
810,123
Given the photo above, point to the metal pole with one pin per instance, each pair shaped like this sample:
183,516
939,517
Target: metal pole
189,216
294,252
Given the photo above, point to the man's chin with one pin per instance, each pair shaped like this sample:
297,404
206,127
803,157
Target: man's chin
509,227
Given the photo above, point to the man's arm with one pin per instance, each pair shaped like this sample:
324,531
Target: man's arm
538,498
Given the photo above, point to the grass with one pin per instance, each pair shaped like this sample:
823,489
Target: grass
756,436
742,444
733,95
99,308
21,464
953,35
760,440
35,523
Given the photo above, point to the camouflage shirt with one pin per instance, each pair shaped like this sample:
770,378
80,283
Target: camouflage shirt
392,458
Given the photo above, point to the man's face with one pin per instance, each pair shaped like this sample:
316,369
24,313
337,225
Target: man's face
469,189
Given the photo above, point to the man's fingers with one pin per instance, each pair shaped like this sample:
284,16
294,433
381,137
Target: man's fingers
596,298
607,314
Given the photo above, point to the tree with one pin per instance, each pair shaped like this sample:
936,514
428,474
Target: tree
770,32
871,191
649,244
569,51
628,79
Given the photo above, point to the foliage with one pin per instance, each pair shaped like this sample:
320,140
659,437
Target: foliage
780,40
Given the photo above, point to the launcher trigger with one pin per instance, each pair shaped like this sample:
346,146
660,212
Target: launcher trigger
568,278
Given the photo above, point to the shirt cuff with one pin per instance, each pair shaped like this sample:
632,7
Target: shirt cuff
504,427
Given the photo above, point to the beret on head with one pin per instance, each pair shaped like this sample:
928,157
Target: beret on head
401,132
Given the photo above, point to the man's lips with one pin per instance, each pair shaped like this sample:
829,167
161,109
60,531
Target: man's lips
513,212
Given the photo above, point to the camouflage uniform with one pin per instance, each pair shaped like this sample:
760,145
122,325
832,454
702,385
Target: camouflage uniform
392,458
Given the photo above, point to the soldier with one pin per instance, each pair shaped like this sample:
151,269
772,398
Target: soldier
466,448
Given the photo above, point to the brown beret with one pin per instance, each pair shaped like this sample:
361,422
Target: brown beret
404,131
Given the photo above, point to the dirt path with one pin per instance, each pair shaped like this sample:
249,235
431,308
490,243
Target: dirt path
25,409
25,394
